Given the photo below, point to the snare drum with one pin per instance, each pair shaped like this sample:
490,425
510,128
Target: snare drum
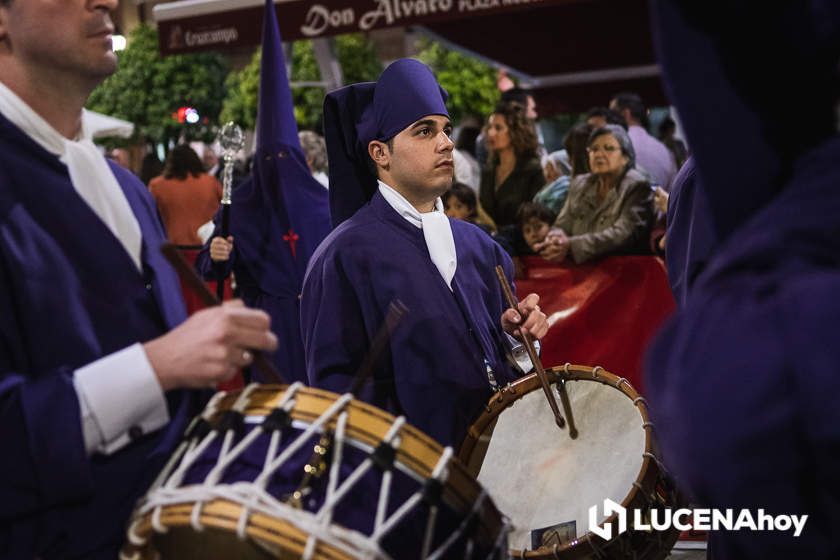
547,482
297,472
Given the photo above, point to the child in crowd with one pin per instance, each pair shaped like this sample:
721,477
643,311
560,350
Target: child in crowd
460,202
534,221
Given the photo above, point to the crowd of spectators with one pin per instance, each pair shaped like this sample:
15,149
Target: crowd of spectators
604,193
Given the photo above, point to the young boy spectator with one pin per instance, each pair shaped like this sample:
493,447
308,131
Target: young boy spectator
534,221
460,202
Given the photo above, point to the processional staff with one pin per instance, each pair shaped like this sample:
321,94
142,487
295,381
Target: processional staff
232,140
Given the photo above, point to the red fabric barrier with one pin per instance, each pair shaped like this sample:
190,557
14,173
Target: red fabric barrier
194,303
603,313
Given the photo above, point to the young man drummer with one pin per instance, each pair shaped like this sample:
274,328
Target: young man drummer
390,161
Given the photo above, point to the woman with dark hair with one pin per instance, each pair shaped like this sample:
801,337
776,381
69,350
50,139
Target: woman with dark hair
513,174
609,210
186,196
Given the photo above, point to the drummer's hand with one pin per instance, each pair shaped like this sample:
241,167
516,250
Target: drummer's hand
220,248
210,346
535,323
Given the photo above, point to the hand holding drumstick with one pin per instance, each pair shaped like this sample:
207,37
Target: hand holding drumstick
535,326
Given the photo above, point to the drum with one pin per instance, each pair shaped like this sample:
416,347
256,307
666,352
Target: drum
295,472
547,482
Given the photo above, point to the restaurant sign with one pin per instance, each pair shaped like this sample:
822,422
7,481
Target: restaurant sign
301,19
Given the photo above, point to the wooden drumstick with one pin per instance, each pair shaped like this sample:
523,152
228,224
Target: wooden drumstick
535,360
191,279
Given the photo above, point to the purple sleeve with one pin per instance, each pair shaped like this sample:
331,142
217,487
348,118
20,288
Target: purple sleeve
328,305
44,462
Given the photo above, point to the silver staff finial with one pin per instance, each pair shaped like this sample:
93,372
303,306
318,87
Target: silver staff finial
232,140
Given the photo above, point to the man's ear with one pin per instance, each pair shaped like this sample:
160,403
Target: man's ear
379,153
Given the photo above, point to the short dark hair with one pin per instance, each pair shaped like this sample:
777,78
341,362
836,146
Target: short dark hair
530,210
607,114
182,161
632,102
465,195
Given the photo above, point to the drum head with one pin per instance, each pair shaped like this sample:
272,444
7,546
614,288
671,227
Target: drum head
544,480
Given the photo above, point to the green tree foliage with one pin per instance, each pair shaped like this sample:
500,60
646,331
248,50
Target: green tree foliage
309,100
358,61
471,84
358,58
147,89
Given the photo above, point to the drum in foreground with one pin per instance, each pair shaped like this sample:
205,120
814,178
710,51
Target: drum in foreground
547,482
296,472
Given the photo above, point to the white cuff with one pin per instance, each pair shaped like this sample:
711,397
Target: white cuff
120,399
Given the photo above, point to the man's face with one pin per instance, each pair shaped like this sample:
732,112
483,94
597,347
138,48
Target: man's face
420,166
59,37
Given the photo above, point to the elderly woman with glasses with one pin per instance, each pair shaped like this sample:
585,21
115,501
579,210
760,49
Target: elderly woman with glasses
609,210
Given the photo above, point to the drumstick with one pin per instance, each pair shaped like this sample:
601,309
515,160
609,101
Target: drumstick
191,279
535,360
396,312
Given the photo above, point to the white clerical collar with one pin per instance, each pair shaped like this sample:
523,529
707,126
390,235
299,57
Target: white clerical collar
403,207
437,231
89,173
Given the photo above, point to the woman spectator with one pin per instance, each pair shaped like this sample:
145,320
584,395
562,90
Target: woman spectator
609,210
186,196
513,174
